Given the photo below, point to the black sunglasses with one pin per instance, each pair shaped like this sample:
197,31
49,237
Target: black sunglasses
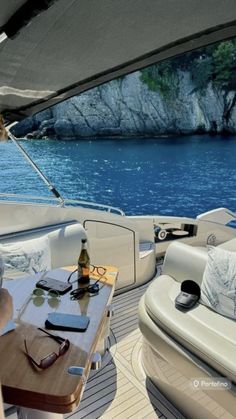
80,292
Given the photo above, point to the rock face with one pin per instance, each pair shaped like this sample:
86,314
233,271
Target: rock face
127,108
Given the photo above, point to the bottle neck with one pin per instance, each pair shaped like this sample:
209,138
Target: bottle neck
84,246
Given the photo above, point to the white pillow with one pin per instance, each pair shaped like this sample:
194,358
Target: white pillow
28,256
218,289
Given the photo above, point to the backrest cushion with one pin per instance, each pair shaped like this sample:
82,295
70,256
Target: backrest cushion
185,262
218,289
65,244
27,256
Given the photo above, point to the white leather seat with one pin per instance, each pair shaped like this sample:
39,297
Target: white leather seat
204,332
180,347
208,335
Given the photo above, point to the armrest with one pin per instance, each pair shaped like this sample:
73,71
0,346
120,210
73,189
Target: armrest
185,262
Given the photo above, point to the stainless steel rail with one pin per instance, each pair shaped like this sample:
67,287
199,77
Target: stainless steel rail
67,202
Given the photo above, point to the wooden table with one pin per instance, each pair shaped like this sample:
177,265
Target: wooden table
53,389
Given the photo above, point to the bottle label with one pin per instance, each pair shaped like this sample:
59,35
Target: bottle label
83,265
85,271
83,274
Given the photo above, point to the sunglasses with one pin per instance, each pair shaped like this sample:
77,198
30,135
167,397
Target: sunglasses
95,270
49,359
38,296
39,292
80,292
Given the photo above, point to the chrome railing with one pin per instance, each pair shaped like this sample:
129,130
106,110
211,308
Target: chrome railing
67,202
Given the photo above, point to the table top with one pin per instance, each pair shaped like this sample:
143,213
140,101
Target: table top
180,233
53,389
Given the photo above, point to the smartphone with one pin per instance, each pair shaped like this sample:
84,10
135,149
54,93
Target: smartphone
54,284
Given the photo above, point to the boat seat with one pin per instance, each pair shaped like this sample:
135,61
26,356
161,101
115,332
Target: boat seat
183,261
64,243
178,347
203,331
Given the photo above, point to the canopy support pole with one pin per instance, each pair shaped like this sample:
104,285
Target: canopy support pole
50,186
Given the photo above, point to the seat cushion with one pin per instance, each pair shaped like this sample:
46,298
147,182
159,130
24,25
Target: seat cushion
183,261
218,289
65,244
208,335
26,256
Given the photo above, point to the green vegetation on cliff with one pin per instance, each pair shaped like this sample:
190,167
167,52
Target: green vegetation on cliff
162,78
215,63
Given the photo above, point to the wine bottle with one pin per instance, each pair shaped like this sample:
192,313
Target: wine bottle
83,264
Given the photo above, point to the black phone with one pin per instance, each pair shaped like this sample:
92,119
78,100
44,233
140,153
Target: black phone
48,283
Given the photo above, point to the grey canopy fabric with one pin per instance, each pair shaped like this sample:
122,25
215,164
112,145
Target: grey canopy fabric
78,44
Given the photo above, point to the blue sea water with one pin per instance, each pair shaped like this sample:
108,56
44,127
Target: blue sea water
181,176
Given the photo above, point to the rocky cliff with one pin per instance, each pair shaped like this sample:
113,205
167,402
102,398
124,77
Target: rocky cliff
128,108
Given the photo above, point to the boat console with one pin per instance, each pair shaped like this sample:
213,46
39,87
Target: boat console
167,232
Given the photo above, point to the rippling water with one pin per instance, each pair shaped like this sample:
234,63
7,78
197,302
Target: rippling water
177,176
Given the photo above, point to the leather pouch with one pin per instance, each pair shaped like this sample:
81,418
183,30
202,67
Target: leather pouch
64,321
189,295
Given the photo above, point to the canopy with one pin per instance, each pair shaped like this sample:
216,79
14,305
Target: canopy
75,45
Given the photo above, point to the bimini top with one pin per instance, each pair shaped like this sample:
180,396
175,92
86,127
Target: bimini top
58,48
